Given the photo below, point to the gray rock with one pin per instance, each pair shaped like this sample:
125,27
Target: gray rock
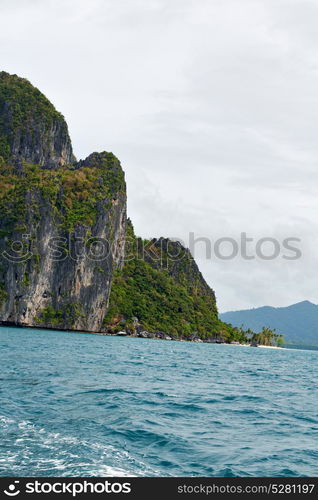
143,334
75,283
34,132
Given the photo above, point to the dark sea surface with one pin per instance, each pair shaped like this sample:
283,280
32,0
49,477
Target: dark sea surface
87,405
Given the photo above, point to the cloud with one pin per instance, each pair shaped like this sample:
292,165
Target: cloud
212,108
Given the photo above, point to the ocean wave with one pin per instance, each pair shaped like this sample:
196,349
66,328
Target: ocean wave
183,411
35,448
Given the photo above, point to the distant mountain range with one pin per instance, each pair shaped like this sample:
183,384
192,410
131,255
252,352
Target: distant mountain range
298,322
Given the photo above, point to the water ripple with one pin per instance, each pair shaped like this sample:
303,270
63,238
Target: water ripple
74,404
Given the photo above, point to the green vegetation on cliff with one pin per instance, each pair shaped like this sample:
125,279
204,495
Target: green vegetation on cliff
152,285
30,127
56,318
161,287
73,192
56,216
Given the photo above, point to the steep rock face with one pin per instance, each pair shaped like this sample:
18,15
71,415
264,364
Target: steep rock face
63,235
68,258
62,226
30,127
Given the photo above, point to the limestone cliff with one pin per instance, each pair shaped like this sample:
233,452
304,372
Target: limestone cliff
62,228
68,259
160,289
63,235
30,128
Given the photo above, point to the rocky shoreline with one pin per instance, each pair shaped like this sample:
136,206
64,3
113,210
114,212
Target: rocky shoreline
163,336
143,334
193,338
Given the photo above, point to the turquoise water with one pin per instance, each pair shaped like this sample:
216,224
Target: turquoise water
76,404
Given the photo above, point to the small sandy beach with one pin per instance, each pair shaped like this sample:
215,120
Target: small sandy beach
271,347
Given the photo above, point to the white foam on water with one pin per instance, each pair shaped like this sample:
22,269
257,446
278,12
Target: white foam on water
106,470
6,420
33,446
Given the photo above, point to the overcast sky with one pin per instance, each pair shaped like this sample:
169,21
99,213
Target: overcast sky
212,108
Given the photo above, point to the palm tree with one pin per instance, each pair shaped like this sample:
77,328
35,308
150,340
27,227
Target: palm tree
268,337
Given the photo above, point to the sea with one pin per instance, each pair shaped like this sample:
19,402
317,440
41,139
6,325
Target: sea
76,404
